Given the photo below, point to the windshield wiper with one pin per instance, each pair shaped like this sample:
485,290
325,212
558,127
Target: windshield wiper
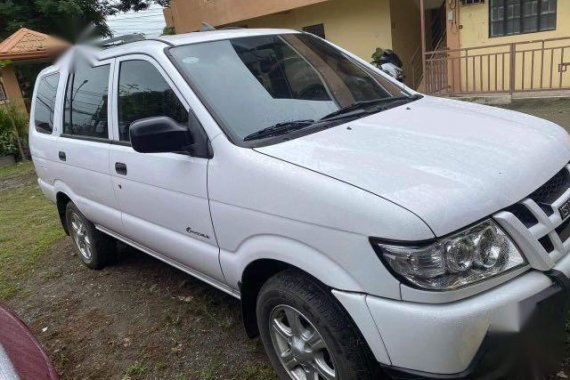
364,104
289,126
279,129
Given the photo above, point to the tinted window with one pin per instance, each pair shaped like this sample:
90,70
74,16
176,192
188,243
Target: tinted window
143,93
252,83
86,101
45,103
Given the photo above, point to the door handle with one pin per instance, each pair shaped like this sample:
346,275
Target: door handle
62,156
121,168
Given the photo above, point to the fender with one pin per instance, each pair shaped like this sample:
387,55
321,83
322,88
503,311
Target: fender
61,187
288,251
48,189
312,262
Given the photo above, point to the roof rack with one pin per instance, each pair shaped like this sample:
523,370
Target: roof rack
120,40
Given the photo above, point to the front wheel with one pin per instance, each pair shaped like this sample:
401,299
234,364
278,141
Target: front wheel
307,334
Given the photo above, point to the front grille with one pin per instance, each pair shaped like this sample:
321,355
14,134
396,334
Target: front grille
553,189
546,243
524,214
544,228
564,230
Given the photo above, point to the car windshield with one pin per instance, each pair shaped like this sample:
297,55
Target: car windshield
252,84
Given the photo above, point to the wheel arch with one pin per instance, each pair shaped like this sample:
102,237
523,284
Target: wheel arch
262,256
258,271
63,195
62,199
254,276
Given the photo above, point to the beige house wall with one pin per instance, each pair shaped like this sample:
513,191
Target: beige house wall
168,17
534,68
188,15
406,30
12,87
475,26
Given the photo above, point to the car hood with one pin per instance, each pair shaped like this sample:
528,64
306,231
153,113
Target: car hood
449,162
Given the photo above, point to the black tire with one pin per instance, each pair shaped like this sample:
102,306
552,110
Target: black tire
351,356
102,247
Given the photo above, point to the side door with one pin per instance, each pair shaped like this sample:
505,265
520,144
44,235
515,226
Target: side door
163,196
83,145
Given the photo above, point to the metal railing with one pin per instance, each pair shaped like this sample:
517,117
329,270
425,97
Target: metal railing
415,63
538,65
416,68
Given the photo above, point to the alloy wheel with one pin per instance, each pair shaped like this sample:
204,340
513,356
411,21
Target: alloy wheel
81,237
299,345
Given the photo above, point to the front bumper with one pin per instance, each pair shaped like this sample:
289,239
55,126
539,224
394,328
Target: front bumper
534,351
517,325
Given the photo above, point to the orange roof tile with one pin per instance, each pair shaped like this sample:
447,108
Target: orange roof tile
26,44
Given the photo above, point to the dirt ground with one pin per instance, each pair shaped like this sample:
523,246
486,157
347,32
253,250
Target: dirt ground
138,318
141,319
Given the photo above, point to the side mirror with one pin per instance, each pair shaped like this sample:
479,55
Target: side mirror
160,134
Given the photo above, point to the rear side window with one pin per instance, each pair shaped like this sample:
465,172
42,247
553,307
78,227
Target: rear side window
45,103
86,101
143,92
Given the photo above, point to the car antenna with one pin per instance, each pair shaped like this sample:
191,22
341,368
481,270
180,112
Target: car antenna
206,27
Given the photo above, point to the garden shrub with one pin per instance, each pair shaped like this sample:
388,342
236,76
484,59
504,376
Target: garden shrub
13,131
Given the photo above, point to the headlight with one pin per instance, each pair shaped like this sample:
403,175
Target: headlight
472,255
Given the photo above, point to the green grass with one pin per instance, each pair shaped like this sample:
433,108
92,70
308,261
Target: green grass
29,226
18,170
136,369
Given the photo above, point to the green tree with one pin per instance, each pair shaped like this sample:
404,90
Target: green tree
67,19
64,18
168,31
135,5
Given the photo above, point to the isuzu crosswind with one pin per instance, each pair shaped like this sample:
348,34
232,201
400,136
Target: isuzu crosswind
368,230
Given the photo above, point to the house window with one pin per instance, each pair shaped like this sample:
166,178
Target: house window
509,17
317,30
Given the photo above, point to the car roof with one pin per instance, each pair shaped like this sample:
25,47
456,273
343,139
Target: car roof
196,37
147,45
155,46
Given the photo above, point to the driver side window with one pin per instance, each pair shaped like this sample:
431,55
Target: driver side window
143,93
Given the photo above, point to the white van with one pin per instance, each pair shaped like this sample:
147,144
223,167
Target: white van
368,230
